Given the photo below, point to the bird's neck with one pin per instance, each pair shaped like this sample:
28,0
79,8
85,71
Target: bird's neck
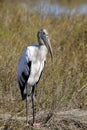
43,52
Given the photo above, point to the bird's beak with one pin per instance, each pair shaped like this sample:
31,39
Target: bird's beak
48,45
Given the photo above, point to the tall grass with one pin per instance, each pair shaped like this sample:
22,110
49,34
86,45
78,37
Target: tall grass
64,82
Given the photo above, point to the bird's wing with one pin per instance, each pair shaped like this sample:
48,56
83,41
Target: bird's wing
23,70
24,65
28,57
25,73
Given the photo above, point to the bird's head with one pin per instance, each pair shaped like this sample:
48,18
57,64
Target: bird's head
43,39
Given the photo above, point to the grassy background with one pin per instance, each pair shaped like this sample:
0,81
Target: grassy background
64,82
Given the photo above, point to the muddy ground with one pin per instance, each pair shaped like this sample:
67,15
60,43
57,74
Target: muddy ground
74,119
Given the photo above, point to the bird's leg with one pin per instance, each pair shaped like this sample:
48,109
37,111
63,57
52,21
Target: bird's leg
33,106
26,104
32,96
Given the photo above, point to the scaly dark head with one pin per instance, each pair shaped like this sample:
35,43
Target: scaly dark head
43,39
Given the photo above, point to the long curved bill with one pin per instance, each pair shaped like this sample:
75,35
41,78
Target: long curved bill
48,45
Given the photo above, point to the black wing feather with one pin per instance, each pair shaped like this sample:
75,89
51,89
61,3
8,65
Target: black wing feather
24,77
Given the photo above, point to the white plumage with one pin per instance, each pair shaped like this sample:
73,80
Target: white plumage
31,65
36,54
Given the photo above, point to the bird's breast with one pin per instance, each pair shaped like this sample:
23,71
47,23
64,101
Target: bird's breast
36,69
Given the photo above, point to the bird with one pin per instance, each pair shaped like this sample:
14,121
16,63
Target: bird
30,67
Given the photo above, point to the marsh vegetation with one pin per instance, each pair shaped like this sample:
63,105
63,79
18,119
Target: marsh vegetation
63,85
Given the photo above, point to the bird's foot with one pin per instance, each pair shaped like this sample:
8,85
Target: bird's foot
36,124
32,124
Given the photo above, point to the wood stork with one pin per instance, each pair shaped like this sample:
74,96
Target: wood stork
31,65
